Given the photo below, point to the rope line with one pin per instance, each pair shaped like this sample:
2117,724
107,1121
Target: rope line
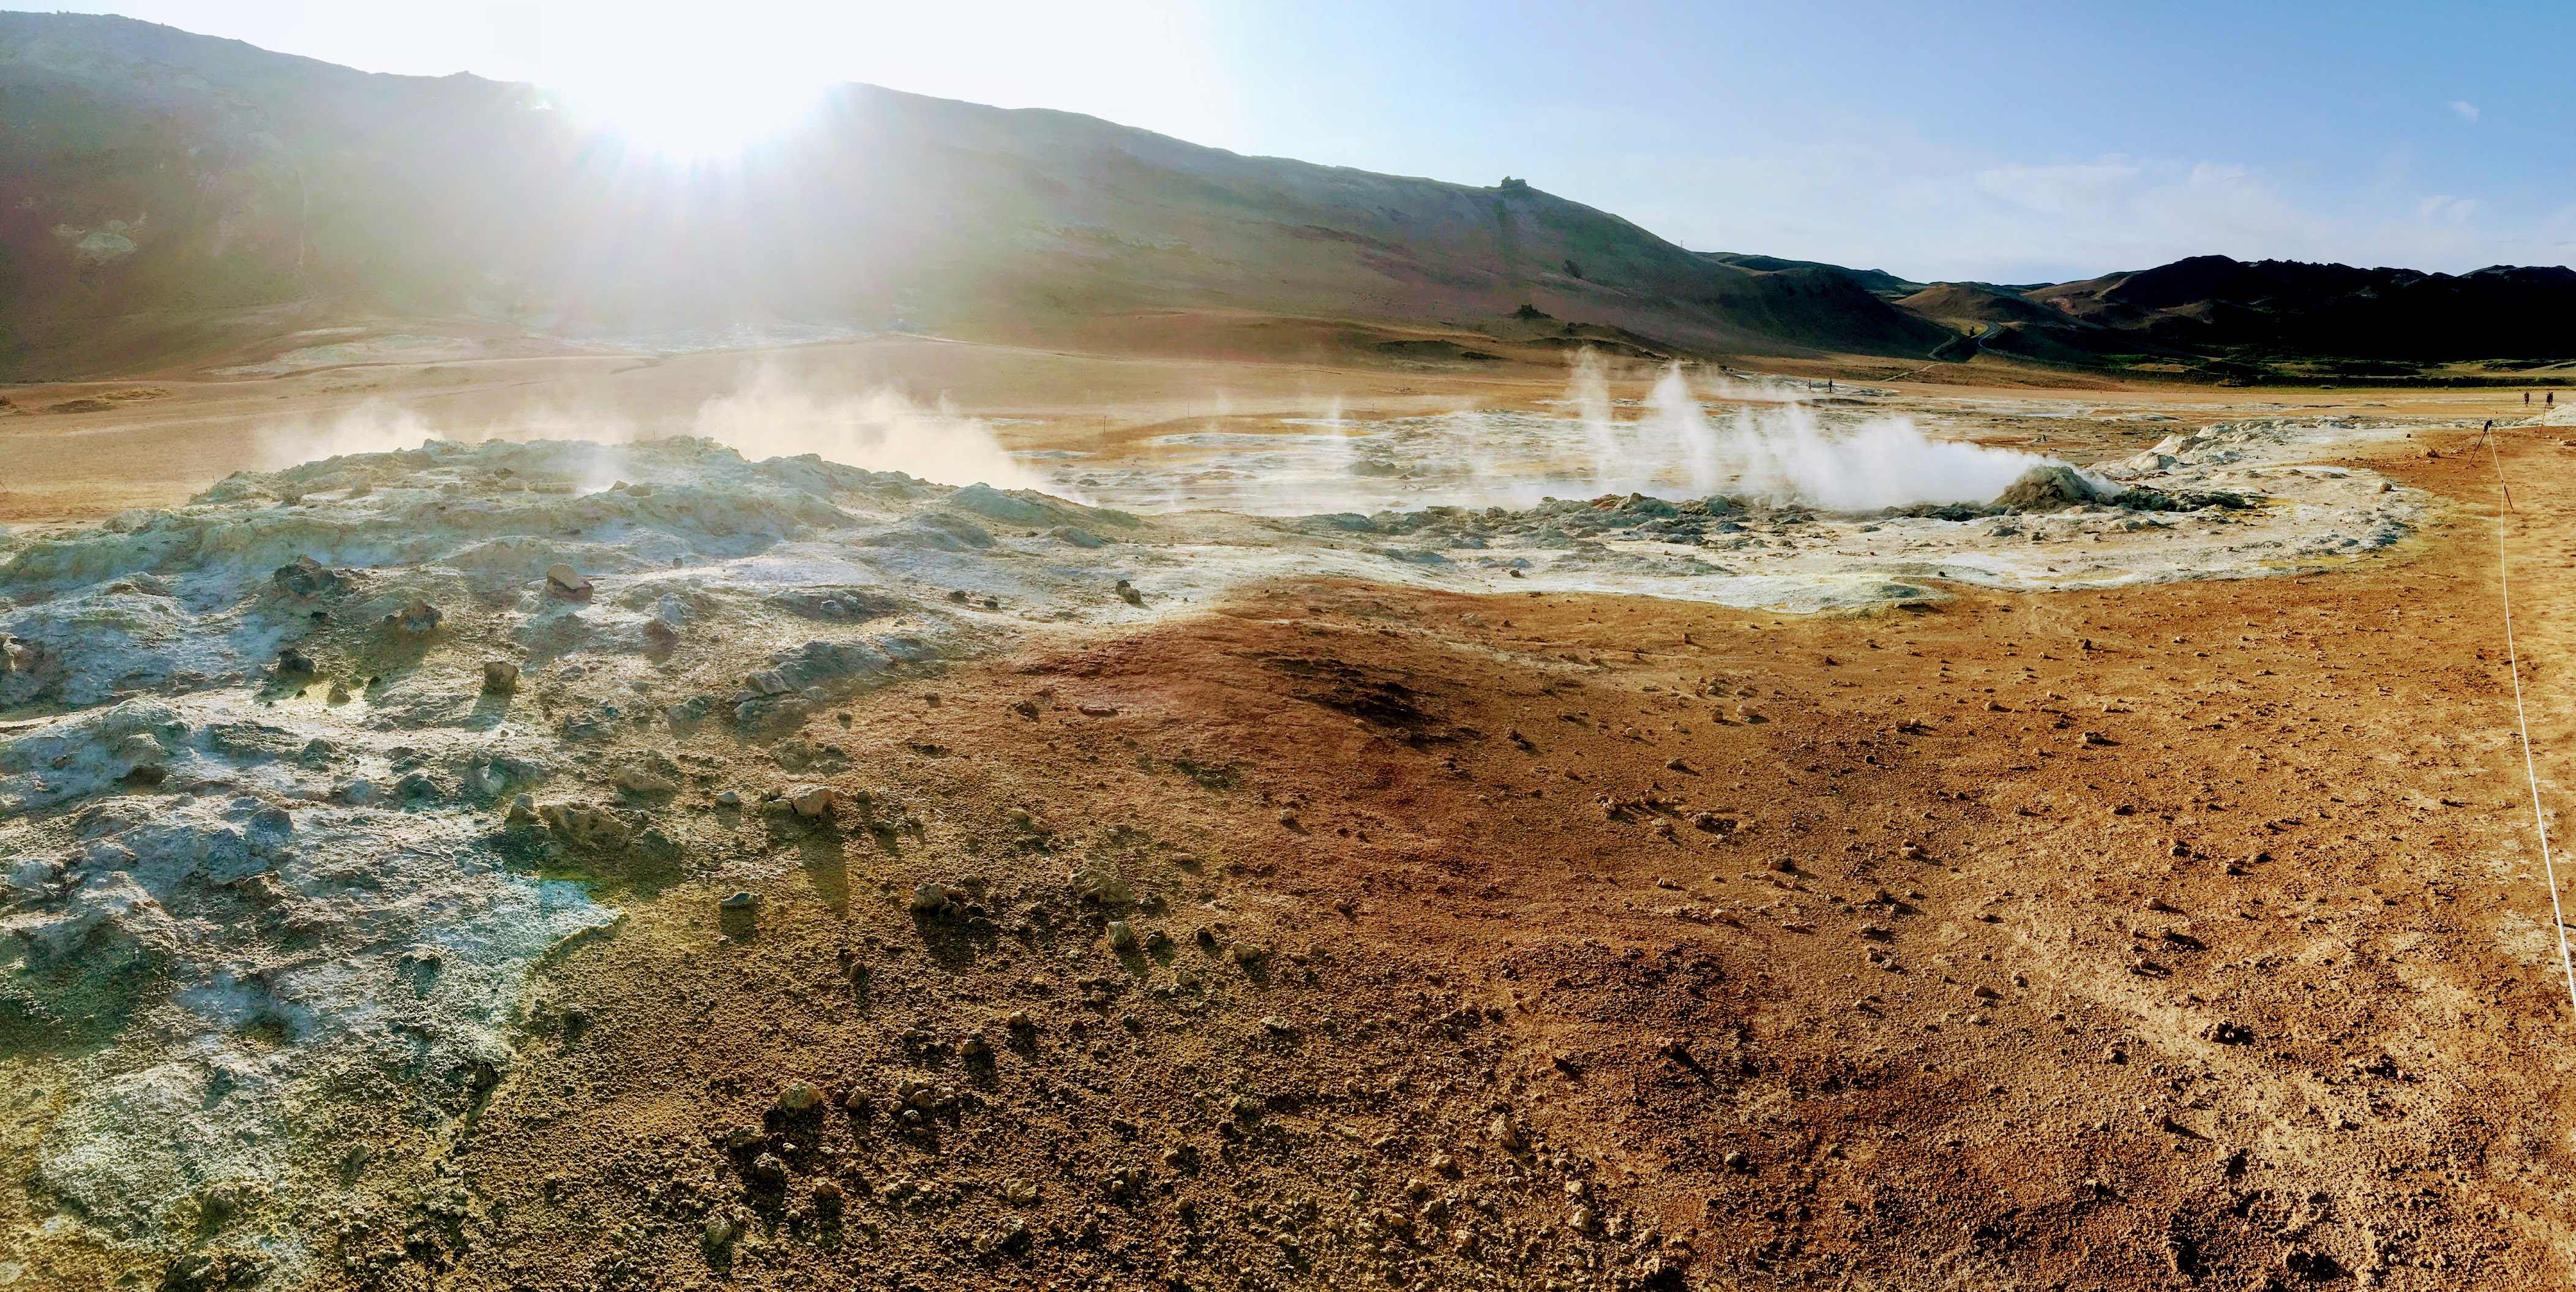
2530,771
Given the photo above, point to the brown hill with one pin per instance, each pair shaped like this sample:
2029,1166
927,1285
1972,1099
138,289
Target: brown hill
185,199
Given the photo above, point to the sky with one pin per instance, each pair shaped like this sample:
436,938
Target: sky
1999,141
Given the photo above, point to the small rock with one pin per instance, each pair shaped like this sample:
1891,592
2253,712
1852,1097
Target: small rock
828,1199
1121,937
1245,953
1098,710
522,809
729,798
932,898
636,780
418,619
294,663
798,1097
718,1232
1503,1132
1738,1162
812,801
500,676
742,902
565,583
1984,992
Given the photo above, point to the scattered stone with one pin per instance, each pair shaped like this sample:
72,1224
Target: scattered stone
1738,1162
741,903
418,619
799,1096
307,578
729,798
294,663
828,1198
813,801
1121,937
1128,594
1245,954
566,584
1503,1132
500,676
583,826
637,780
1099,710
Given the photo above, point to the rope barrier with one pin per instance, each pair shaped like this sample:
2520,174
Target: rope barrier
2530,771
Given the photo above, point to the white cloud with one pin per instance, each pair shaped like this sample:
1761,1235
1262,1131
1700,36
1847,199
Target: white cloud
2468,111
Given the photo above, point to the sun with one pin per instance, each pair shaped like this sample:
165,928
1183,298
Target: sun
701,114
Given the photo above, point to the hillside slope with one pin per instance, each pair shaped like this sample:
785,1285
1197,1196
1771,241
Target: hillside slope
178,198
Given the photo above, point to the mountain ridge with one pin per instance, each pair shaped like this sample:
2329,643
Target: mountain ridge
173,200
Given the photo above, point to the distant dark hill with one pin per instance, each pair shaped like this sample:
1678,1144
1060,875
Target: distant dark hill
2210,317
2210,304
174,198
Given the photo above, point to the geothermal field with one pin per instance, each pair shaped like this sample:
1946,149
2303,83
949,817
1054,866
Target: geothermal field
1640,825
647,667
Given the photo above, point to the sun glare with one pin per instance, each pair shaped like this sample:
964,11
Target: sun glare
692,117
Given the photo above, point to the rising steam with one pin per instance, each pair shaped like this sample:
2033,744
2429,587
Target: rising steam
1781,453
766,416
879,430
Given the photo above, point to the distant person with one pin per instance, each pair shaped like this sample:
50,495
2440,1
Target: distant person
2526,399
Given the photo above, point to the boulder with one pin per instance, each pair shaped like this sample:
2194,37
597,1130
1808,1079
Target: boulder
2050,486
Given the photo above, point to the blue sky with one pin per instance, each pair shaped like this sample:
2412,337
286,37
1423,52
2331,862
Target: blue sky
2000,141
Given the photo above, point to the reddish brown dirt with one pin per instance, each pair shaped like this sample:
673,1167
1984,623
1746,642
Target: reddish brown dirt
1598,942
